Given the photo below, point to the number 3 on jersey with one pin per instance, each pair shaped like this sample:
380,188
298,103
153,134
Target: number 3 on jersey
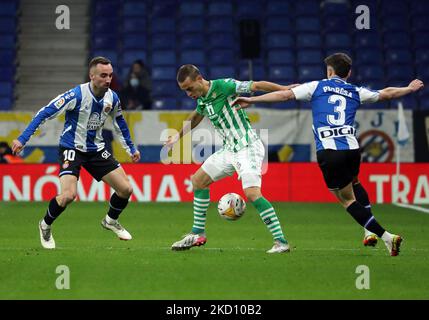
339,109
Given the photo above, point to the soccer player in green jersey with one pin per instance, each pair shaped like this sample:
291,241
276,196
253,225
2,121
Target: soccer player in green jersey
242,150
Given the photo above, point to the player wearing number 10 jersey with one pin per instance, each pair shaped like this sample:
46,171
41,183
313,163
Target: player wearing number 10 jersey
334,103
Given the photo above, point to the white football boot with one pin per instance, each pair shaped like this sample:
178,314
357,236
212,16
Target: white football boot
279,247
116,227
190,240
46,238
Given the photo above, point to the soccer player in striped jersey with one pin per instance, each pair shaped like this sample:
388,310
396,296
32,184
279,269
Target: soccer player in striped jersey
334,104
242,150
86,109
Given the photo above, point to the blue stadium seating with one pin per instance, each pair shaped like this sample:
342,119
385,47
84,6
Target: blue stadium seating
108,25
192,41
164,9
400,72
421,40
105,8
308,57
310,73
220,8
308,40
337,24
281,57
191,8
331,9
7,41
164,103
187,103
164,41
8,8
102,41
164,88
422,56
197,57
191,24
163,58
134,41
130,56
397,40
367,39
112,55
419,23
307,8
221,24
307,24
221,72
395,56
278,24
163,25
134,25
279,8
7,73
335,40
221,40
221,56
249,8
163,73
6,89
134,9
282,73
368,57
5,103
280,41
367,73
395,23
258,72
7,57
7,25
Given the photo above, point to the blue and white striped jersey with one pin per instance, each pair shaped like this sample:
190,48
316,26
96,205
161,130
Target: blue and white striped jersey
84,119
334,103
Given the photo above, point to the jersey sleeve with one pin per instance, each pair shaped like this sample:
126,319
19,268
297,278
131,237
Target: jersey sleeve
121,128
304,92
58,105
233,86
367,95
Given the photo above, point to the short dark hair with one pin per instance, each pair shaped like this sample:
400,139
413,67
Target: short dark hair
340,62
98,60
187,70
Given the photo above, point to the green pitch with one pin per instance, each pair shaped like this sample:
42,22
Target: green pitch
233,264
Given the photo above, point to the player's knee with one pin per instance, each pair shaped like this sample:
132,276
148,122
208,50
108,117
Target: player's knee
126,192
252,194
67,197
197,184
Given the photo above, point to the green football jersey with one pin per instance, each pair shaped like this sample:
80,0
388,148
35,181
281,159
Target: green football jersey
233,125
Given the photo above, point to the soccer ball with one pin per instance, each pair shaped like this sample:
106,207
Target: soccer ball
231,206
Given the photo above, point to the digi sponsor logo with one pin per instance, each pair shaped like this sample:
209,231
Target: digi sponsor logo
327,132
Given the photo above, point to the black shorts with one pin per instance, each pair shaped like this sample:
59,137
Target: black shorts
98,164
339,167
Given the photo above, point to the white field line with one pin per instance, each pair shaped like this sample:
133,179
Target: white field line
413,207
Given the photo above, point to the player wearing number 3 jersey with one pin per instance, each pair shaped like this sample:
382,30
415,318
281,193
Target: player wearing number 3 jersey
86,109
334,103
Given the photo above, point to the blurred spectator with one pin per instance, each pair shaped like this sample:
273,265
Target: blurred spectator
6,155
136,93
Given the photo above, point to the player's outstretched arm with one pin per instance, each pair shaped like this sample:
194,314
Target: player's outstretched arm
267,86
191,122
397,92
276,96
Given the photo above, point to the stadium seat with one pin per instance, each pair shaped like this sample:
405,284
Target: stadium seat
258,72
419,8
221,56
106,42
281,57
221,40
369,57
336,24
282,73
307,57
395,23
310,73
280,41
112,55
307,24
249,8
130,56
192,41
367,73
7,41
187,103
422,71
163,58
330,9
7,73
395,56
308,40
8,8
191,8
164,41
278,8
216,72
5,103
163,24
220,24
164,104
7,57
307,8
134,9
394,7
397,40
110,26
421,40
163,73
106,8
373,85
278,24
408,102
7,25
134,25
6,89
400,72
163,88
420,23
336,50
335,40
422,56
367,39
164,9
220,8
134,41
194,24
196,57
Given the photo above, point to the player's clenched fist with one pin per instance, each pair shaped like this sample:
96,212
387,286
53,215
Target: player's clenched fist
17,146
416,85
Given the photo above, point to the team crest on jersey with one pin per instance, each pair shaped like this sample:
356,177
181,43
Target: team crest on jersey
107,108
65,164
59,103
214,95
94,121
